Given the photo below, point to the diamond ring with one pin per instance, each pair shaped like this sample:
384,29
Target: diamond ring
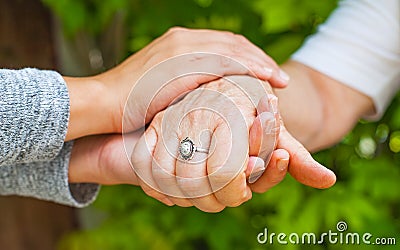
187,149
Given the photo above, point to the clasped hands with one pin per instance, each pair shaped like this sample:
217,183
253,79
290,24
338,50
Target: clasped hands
227,107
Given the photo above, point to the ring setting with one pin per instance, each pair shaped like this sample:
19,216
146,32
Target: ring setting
187,148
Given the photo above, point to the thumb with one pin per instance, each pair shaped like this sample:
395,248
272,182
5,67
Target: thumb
302,166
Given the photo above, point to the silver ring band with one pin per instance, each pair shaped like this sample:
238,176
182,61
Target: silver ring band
201,150
187,148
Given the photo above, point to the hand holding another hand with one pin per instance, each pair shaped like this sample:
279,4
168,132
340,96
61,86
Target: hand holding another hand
233,118
194,57
220,116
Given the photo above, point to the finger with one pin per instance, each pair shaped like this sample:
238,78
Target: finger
235,58
163,168
269,103
255,168
240,45
263,134
231,45
261,141
302,166
221,63
226,165
141,163
274,173
278,79
237,186
192,175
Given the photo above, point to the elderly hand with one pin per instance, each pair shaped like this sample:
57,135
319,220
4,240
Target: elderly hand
216,117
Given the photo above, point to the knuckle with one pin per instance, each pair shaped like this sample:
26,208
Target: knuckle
165,201
242,199
250,65
175,39
175,29
226,61
228,34
217,210
236,48
233,203
236,203
183,203
241,39
214,209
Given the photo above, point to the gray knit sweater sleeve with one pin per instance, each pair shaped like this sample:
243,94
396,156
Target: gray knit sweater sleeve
34,113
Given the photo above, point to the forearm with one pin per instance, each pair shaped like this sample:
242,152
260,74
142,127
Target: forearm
319,110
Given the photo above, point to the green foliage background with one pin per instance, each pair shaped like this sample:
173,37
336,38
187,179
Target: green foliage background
366,196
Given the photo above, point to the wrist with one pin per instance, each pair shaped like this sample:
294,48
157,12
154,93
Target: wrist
91,108
83,162
102,159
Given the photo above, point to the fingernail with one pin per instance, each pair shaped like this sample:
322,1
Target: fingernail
258,170
282,164
284,76
255,176
268,71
